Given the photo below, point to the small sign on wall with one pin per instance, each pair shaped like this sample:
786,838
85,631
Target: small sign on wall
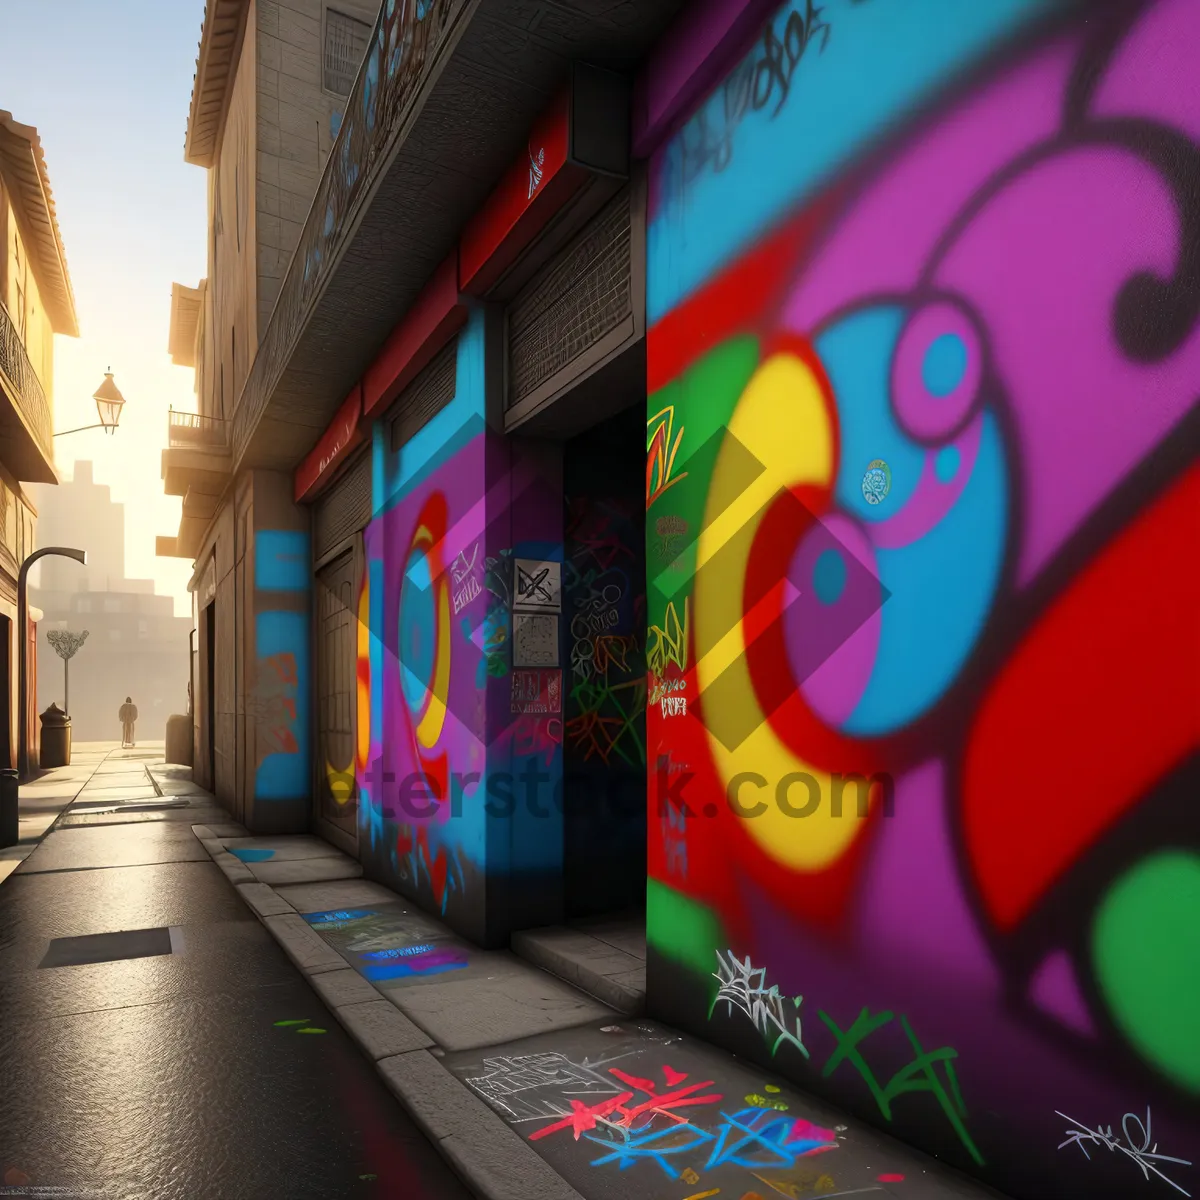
536,692
535,639
538,586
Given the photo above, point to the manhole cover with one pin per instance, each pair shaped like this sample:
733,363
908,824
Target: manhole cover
109,947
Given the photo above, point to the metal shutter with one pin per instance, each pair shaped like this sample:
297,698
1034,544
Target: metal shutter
426,396
345,508
583,294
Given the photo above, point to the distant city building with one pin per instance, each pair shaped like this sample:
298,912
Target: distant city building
136,645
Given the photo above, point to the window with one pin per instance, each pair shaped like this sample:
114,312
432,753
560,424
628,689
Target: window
345,46
83,606
143,629
114,635
112,606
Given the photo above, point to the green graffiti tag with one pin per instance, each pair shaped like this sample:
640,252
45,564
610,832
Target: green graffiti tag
919,1076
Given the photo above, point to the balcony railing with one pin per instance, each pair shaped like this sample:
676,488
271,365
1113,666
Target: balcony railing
25,386
192,431
404,43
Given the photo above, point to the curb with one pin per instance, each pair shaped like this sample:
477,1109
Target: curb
491,1158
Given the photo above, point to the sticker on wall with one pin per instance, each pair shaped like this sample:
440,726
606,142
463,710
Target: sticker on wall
538,586
537,692
877,482
535,640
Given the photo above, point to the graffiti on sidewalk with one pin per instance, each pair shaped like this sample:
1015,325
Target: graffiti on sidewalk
650,1119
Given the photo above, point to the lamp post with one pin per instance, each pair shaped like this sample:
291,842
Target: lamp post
109,403
66,646
80,556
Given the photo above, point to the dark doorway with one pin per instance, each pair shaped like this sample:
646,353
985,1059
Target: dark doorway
604,609
6,673
210,699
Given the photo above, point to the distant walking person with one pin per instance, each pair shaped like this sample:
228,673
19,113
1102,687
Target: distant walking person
128,715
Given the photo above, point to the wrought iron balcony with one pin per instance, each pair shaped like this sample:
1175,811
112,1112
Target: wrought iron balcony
407,41
197,455
25,423
192,431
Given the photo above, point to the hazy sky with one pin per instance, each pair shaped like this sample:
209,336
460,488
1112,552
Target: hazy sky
107,86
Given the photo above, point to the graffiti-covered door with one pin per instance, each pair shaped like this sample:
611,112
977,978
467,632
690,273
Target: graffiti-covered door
604,607
336,650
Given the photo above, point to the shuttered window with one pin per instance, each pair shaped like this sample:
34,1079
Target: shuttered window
345,508
425,397
579,297
345,46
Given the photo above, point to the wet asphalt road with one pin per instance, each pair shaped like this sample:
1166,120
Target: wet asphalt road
167,1077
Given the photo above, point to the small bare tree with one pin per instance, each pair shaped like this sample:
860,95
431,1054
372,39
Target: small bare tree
66,646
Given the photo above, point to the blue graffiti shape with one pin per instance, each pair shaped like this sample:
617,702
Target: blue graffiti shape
760,1137
248,855
399,952
656,1146
336,918
281,560
752,1138
435,965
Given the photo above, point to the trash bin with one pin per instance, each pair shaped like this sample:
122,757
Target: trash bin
10,821
56,738
179,740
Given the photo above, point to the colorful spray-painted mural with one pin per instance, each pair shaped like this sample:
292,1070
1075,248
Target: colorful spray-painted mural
426,718
451,730
924,281
279,697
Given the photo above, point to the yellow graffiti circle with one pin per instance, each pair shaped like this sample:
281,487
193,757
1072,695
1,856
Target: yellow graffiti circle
429,728
782,419
363,673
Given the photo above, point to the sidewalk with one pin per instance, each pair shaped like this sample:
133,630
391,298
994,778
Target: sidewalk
43,797
532,1089
156,1043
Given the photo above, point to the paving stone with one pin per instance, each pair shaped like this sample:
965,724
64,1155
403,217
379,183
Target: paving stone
303,946
494,1159
347,986
501,1166
306,870
480,1011
228,831
233,870
263,899
380,1028
96,795
350,893
285,849
595,966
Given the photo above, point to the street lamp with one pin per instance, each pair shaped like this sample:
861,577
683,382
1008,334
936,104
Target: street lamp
109,403
80,556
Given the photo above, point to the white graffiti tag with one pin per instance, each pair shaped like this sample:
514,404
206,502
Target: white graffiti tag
744,987
1137,1144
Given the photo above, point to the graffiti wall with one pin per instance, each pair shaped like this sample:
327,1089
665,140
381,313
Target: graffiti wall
278,698
458,670
924,285
418,662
